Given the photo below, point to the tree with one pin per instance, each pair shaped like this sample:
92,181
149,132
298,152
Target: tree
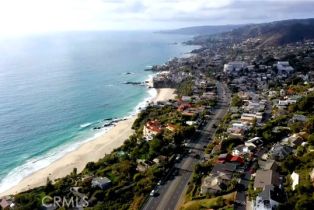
236,101
310,139
289,164
305,203
309,125
49,186
154,147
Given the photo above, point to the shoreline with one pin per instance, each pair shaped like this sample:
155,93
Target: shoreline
87,152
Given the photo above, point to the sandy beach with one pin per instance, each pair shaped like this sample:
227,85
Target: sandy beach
90,151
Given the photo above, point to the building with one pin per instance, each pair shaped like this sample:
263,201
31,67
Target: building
213,184
266,177
295,180
222,158
234,66
292,141
6,203
151,128
101,182
279,152
241,150
247,118
284,67
254,142
268,165
268,199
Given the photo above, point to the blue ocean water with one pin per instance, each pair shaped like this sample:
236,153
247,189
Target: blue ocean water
55,88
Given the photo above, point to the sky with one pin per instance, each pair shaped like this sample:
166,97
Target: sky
36,16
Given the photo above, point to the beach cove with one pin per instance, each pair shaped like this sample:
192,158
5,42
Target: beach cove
88,152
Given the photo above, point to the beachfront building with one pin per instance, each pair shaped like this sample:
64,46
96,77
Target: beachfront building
151,129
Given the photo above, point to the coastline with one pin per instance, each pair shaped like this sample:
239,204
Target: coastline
90,151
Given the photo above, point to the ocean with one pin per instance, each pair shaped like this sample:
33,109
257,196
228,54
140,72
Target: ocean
55,88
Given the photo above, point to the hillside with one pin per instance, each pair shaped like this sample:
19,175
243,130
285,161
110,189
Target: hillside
276,33
202,30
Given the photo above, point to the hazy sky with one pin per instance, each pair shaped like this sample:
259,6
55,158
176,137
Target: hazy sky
24,16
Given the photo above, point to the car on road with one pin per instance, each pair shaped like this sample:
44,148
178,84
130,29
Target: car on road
160,182
154,192
178,158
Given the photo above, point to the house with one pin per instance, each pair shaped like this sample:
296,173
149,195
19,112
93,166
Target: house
209,95
101,182
184,106
192,112
284,67
266,177
142,166
222,158
268,164
295,180
283,104
186,98
151,128
237,130
254,142
292,141
225,168
247,118
6,202
237,159
241,150
160,159
213,184
234,66
268,199
279,152
234,109
298,118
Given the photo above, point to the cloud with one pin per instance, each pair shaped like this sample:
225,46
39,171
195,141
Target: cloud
55,15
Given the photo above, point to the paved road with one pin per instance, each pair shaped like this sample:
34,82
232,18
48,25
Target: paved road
172,193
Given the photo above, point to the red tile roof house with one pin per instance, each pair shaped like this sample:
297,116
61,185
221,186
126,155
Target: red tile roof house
151,128
223,158
237,159
184,106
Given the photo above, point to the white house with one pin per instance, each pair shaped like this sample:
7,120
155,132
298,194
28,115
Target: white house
234,66
295,180
284,67
266,200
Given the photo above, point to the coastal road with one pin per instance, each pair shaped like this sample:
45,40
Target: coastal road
172,193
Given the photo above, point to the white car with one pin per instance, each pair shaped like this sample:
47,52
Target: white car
153,193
